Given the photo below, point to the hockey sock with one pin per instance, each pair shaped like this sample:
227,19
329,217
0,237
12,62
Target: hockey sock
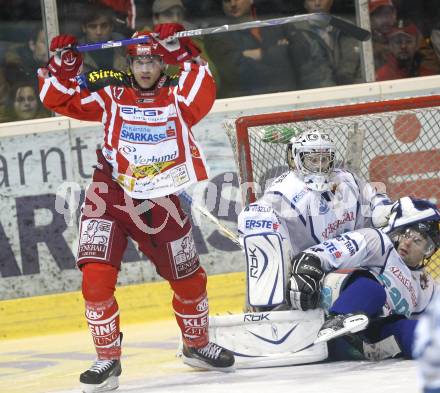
362,295
190,305
103,321
102,311
403,330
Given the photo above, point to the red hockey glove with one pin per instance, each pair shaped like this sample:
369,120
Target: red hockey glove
66,63
177,50
165,30
62,41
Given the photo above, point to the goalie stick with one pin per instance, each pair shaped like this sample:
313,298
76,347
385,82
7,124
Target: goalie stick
322,19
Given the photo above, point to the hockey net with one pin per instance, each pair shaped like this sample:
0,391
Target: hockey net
394,144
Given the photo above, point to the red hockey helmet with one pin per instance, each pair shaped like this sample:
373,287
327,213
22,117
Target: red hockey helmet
150,48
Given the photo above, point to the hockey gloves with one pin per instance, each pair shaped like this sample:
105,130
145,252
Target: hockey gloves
304,285
66,62
165,30
175,50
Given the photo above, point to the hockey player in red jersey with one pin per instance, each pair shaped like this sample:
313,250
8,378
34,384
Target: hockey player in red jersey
148,154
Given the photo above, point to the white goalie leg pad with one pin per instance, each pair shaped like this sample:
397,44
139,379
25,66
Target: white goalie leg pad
266,279
270,339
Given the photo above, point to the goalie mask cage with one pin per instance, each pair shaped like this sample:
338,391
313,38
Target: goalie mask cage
394,144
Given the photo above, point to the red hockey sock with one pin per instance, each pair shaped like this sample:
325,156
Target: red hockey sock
190,305
103,321
102,311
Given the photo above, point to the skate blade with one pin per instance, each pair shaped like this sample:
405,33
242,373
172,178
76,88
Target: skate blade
196,363
356,324
112,383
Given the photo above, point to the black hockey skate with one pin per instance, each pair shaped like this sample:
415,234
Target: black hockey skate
102,376
210,357
338,325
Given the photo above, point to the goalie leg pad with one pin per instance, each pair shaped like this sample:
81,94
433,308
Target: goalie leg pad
270,339
265,269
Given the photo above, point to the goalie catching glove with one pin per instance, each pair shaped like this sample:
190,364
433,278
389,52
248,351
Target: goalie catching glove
304,285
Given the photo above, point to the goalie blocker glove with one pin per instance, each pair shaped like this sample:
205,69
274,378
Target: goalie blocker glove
304,285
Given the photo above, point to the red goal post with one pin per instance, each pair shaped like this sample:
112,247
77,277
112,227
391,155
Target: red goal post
392,142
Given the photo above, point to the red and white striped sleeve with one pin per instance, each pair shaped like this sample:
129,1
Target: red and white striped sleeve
196,92
66,98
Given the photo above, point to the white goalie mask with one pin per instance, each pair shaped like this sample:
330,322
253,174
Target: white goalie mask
312,155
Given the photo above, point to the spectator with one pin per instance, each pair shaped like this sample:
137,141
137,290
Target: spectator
323,56
173,11
431,49
404,59
25,102
23,60
383,17
252,61
203,13
168,11
123,14
97,26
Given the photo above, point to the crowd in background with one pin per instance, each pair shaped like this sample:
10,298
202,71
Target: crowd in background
405,37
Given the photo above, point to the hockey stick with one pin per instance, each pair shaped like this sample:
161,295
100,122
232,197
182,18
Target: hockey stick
110,44
317,18
222,228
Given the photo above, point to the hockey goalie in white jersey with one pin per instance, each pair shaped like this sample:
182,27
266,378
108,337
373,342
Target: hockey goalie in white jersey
309,204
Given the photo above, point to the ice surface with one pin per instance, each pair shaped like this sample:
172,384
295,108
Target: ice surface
52,364
395,376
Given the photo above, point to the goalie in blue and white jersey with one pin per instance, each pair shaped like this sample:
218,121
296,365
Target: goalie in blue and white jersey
311,203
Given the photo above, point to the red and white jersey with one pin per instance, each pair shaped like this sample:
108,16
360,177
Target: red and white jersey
147,139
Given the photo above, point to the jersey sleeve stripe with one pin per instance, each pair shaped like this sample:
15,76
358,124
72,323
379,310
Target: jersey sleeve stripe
183,76
312,231
101,103
61,88
194,89
87,100
44,89
113,115
382,243
356,246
